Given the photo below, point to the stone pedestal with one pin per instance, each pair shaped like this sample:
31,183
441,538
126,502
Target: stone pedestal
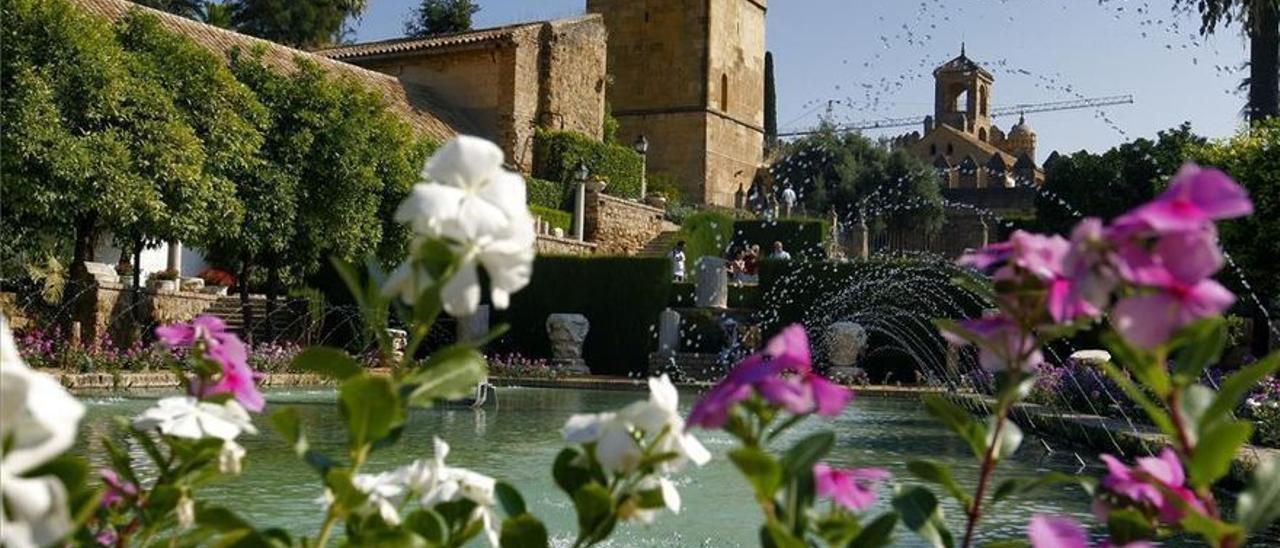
845,344
668,332
475,326
711,283
1090,358
174,262
399,340
567,333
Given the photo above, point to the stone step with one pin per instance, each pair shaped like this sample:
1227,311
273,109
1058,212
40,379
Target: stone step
660,244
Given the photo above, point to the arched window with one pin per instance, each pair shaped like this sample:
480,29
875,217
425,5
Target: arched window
933,149
982,134
950,149
724,92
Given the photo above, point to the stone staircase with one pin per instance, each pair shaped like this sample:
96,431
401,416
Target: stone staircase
229,310
660,245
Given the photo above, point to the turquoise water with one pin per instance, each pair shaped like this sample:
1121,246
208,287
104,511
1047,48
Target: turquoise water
517,441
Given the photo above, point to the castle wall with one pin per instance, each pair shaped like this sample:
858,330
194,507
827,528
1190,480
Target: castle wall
678,145
574,61
734,153
622,227
468,80
657,54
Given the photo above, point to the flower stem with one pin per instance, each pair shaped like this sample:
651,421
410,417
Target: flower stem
1187,448
984,476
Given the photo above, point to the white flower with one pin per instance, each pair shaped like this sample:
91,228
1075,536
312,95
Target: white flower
670,498
187,417
38,419
477,208
656,420
229,458
385,490
186,512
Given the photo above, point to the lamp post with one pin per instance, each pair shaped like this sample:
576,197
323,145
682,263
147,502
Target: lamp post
581,174
642,146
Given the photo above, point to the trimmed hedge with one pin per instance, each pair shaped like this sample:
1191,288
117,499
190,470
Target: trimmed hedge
620,296
705,233
803,238
549,194
557,218
740,296
556,155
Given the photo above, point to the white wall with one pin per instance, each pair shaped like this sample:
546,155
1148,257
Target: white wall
153,259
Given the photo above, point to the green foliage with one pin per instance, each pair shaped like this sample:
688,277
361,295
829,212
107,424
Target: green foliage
557,218
440,17
1254,241
556,155
706,234
1108,184
549,194
770,102
609,127
851,175
306,24
620,296
802,238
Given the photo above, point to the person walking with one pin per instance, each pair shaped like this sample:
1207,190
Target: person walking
677,261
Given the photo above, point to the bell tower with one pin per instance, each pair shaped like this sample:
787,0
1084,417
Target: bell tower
962,96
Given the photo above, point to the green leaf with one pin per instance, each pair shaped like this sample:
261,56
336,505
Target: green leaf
959,421
1215,532
451,373
345,493
372,408
596,511
1193,402
1154,412
877,533
429,525
1128,525
1259,504
523,531
1007,543
1235,387
936,472
1144,366
510,499
1215,451
328,361
289,424
921,513
1012,385
220,519
1200,345
1010,438
569,476
762,471
806,453
779,537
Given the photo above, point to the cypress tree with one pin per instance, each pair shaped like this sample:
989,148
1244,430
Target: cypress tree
770,103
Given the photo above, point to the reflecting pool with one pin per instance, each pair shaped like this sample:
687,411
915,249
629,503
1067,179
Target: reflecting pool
517,441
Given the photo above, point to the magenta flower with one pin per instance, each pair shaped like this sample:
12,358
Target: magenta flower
117,490
1195,197
853,488
1155,481
223,347
988,258
1056,532
782,373
1000,342
107,537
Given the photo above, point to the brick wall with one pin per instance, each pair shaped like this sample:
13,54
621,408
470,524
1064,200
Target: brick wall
621,227
551,245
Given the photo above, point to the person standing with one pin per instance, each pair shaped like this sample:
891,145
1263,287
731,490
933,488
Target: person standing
677,261
788,200
779,253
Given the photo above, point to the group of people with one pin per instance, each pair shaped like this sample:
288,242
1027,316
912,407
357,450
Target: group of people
743,261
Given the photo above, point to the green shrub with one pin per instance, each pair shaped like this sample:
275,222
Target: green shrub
682,294
549,194
803,238
700,331
740,296
557,218
705,233
620,296
556,155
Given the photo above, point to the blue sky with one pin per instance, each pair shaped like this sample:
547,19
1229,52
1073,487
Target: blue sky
874,58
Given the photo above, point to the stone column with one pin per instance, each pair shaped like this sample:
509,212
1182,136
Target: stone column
175,257
475,326
712,283
864,239
845,344
579,211
668,332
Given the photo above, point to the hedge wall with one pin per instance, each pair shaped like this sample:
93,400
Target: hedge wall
803,238
620,296
705,233
740,296
549,194
557,218
556,155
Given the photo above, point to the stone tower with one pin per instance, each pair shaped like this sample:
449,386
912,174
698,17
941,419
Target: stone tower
689,76
962,96
1021,139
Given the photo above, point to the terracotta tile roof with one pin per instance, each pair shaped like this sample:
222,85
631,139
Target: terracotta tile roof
417,105
405,45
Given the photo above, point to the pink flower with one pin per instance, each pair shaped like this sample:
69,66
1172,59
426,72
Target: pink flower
803,391
1000,342
853,488
1195,197
117,490
1047,531
223,347
1152,481
107,537
988,258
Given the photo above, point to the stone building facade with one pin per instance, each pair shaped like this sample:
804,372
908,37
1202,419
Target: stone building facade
689,76
963,143
506,81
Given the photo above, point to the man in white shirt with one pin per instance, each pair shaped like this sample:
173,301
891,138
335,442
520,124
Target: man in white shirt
788,199
677,261
779,253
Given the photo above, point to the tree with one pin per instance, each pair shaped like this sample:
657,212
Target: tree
300,23
1108,184
440,17
1253,242
1260,20
191,9
855,176
770,102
